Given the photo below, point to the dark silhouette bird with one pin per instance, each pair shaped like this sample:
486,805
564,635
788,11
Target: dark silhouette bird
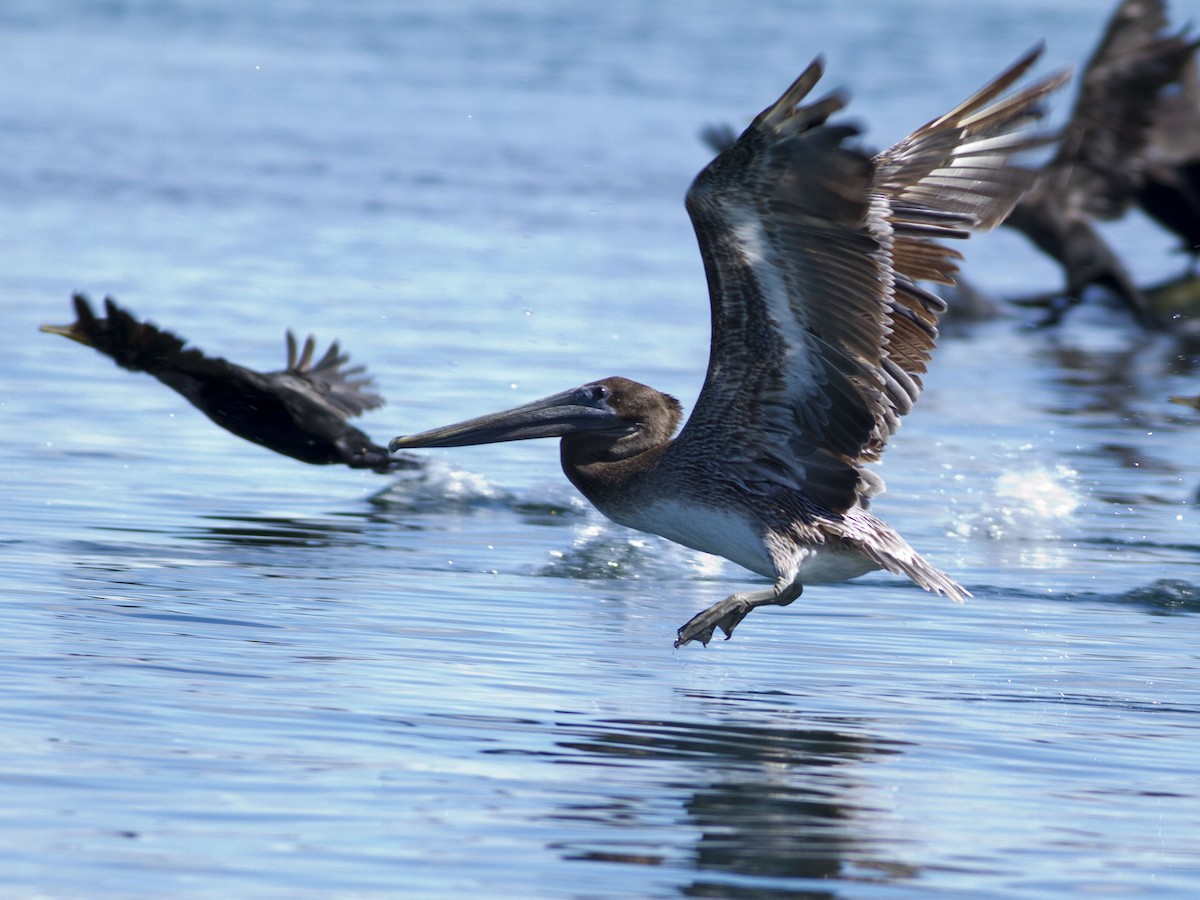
300,411
1097,170
1169,190
719,137
820,333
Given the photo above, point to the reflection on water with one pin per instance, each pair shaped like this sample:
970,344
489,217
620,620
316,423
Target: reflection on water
1118,381
762,801
283,531
758,791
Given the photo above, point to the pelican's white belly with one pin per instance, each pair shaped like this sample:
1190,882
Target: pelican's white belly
826,563
736,538
702,528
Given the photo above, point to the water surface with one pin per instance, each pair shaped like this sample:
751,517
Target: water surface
226,673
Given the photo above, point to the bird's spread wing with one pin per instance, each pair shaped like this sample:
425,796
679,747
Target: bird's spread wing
1098,163
812,252
1175,133
304,386
348,391
143,346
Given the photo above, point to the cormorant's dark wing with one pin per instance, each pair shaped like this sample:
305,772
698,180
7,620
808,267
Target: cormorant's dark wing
349,391
299,412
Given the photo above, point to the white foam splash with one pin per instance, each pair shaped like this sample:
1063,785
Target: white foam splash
441,486
1025,503
1040,493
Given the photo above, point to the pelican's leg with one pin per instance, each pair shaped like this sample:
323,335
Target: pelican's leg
726,614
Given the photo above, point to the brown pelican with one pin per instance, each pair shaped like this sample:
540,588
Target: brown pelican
1096,171
300,412
820,334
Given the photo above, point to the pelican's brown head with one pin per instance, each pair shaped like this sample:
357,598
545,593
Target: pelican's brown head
612,418
644,418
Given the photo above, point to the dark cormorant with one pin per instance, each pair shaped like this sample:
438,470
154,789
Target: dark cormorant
300,411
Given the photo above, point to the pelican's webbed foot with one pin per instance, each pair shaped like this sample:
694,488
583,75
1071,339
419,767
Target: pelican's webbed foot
729,612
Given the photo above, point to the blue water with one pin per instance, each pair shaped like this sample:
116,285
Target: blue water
224,673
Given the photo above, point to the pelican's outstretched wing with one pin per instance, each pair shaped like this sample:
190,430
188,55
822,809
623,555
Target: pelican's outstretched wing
812,251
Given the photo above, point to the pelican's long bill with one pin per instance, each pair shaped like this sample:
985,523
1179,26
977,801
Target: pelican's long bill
583,408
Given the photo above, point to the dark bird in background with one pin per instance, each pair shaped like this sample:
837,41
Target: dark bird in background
1097,170
820,333
300,411
718,137
1169,191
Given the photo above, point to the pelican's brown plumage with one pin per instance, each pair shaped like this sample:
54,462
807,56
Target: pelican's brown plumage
820,334
1098,168
300,411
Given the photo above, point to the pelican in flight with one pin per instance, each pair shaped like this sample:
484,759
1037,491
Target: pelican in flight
300,411
820,332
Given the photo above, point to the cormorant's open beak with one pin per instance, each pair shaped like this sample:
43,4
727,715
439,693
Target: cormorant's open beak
579,409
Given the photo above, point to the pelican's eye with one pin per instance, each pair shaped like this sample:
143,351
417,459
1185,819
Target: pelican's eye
600,392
